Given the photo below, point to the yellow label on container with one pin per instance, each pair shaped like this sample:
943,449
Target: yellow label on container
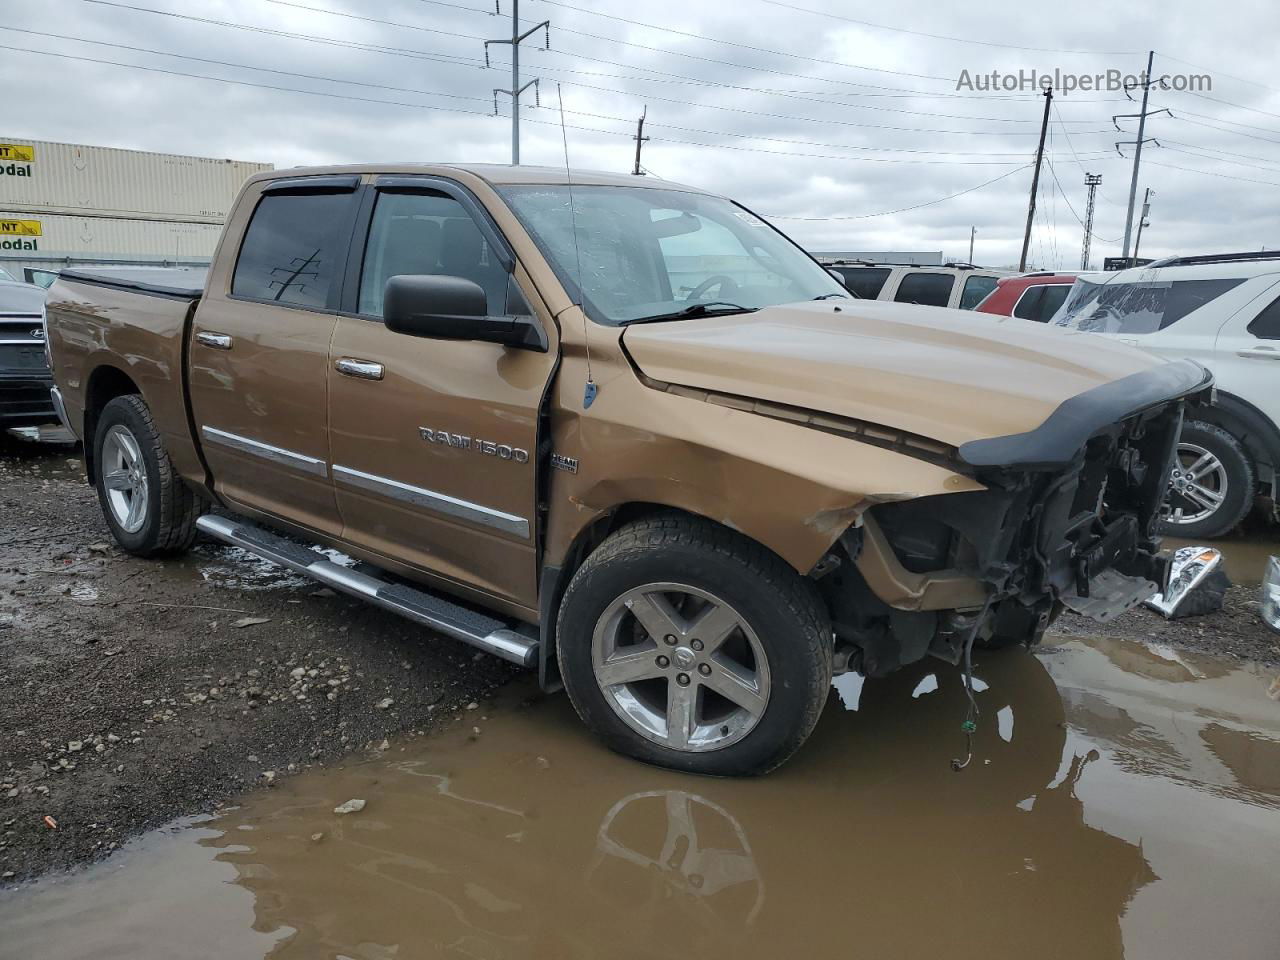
20,228
19,152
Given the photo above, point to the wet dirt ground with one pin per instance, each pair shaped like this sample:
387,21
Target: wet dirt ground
1123,800
131,695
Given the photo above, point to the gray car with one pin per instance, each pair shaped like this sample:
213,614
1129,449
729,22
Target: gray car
25,379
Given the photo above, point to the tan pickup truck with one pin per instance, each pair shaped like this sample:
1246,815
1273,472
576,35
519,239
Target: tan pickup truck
622,431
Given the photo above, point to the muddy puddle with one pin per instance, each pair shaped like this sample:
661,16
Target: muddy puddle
1123,800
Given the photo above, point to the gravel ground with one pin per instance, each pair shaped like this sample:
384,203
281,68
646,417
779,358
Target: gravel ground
137,691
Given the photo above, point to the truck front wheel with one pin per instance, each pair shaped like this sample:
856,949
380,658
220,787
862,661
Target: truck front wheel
686,645
148,508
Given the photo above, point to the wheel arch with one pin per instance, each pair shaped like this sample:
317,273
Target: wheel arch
103,385
1249,425
555,576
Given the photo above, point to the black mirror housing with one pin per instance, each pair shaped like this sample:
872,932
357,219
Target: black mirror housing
453,308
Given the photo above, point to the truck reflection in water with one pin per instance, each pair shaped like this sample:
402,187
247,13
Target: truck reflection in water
529,841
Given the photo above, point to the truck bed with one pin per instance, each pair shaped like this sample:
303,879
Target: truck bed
183,282
120,330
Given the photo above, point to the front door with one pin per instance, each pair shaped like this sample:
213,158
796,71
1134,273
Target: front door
259,353
1247,361
434,442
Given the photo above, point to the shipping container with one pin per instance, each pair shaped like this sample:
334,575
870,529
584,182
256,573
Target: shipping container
38,177
55,242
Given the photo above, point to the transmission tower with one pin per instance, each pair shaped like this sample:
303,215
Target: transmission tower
1091,180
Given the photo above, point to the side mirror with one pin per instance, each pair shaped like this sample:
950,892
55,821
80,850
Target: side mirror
838,275
453,308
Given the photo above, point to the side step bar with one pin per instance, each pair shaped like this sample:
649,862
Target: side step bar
430,610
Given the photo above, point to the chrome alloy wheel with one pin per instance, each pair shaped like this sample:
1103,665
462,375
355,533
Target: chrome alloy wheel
681,667
1197,485
124,475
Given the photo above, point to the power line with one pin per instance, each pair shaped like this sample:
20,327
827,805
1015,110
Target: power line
309,38
728,43
600,116
1210,173
242,66
939,36
1223,73
917,206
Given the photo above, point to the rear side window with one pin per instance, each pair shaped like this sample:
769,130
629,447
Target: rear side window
1052,299
864,282
975,291
1137,308
1028,305
427,233
1041,302
293,248
1266,325
932,289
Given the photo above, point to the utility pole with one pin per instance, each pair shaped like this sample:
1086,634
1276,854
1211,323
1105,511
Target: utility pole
640,138
1091,180
973,232
1142,221
517,38
1035,179
1137,153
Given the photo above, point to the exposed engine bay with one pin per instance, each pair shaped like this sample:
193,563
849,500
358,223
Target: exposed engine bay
1007,560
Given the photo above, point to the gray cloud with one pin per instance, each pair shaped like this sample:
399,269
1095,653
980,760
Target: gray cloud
739,111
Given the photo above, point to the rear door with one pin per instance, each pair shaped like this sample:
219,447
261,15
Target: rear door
260,347
434,442
1247,361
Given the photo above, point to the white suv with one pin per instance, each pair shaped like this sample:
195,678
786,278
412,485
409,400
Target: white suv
1223,311
959,285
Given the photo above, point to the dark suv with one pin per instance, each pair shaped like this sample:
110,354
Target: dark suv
25,379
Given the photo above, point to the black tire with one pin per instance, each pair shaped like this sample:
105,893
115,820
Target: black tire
168,522
1240,476
782,609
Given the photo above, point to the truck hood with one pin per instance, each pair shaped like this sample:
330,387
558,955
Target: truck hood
949,375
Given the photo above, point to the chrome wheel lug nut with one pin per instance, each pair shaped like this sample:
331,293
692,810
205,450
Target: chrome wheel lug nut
670,640
696,644
704,669
682,679
663,662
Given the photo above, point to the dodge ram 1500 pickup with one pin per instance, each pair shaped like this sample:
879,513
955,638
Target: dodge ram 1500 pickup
624,432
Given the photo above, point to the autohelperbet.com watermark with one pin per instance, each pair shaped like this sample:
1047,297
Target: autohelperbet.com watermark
1035,81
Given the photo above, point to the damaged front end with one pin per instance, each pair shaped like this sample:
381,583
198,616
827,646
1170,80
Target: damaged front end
1068,520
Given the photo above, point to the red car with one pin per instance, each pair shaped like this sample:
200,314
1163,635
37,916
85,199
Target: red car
1034,296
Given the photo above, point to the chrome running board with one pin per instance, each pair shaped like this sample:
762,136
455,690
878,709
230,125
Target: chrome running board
517,644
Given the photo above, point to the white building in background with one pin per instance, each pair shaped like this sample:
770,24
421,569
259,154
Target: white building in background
65,205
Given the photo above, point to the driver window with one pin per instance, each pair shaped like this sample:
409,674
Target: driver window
427,233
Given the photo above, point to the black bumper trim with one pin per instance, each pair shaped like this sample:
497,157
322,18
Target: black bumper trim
1055,442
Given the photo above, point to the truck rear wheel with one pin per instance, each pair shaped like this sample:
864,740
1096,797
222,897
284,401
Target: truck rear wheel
148,508
686,645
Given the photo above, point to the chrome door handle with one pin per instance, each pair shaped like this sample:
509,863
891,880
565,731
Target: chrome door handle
219,341
362,369
1261,353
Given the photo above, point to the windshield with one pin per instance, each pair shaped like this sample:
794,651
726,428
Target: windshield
1094,306
646,252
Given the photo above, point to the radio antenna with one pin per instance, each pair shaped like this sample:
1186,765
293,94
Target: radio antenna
590,390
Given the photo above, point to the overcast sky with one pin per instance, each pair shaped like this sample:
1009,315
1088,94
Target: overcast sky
795,113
